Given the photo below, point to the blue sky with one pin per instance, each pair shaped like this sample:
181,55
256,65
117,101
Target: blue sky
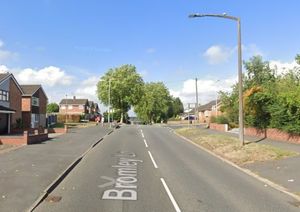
67,45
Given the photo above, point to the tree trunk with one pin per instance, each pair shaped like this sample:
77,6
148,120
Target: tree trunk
122,117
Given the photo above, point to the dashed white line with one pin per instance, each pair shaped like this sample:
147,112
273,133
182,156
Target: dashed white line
145,143
177,209
153,161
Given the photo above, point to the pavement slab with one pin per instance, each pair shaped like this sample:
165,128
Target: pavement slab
26,172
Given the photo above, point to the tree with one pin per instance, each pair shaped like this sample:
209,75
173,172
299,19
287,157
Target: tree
177,106
126,87
154,104
52,108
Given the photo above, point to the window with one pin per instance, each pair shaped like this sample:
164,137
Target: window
35,101
63,107
80,106
4,96
70,107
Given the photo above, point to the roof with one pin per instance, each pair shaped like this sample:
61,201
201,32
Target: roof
6,110
30,89
207,106
91,103
5,76
73,101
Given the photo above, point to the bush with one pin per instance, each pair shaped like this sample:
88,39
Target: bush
219,119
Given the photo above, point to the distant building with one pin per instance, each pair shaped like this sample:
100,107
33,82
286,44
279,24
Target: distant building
74,106
208,110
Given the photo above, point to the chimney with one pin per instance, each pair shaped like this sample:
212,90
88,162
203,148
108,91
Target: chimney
74,97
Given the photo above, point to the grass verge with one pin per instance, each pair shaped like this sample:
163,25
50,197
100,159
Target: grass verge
230,148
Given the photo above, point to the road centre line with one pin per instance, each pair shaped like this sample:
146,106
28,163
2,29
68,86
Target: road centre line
177,209
153,161
145,143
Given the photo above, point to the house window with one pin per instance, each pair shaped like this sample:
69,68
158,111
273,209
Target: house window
63,107
81,107
4,96
70,107
35,101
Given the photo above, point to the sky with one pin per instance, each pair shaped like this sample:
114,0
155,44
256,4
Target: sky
67,45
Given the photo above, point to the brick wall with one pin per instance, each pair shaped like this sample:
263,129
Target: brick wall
25,139
274,134
15,99
74,110
219,127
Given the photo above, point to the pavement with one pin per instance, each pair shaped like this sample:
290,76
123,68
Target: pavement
26,172
284,172
149,168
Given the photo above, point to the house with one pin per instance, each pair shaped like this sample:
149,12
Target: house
74,106
91,107
208,110
34,106
10,103
97,109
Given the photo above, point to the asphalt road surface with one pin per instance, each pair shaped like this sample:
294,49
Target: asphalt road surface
148,168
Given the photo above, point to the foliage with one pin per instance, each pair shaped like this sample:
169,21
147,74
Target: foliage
154,104
19,123
269,100
52,108
219,119
126,87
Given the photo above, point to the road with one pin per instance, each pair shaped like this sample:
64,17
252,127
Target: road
148,168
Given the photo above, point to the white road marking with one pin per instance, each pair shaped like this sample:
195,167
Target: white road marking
145,143
143,135
177,209
153,161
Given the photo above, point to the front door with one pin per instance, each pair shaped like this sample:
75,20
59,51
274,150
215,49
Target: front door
3,123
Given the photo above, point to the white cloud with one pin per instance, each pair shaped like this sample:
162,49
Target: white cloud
87,89
218,54
207,90
3,69
48,76
283,67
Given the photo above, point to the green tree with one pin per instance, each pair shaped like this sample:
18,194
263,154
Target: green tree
177,106
52,108
154,104
126,87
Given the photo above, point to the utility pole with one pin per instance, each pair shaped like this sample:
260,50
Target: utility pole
196,108
189,114
109,103
66,110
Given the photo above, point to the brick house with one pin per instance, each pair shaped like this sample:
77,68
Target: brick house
208,110
96,108
34,106
74,106
10,103
91,107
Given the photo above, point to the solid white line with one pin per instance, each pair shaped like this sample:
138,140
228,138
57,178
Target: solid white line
145,143
177,209
153,161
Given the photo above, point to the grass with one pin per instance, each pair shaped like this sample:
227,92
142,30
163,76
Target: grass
230,148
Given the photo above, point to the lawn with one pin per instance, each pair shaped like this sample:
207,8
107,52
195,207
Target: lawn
231,149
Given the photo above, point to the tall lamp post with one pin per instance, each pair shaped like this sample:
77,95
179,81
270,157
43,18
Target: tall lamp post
109,83
237,19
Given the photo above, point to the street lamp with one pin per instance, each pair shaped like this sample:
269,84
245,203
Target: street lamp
237,19
109,82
